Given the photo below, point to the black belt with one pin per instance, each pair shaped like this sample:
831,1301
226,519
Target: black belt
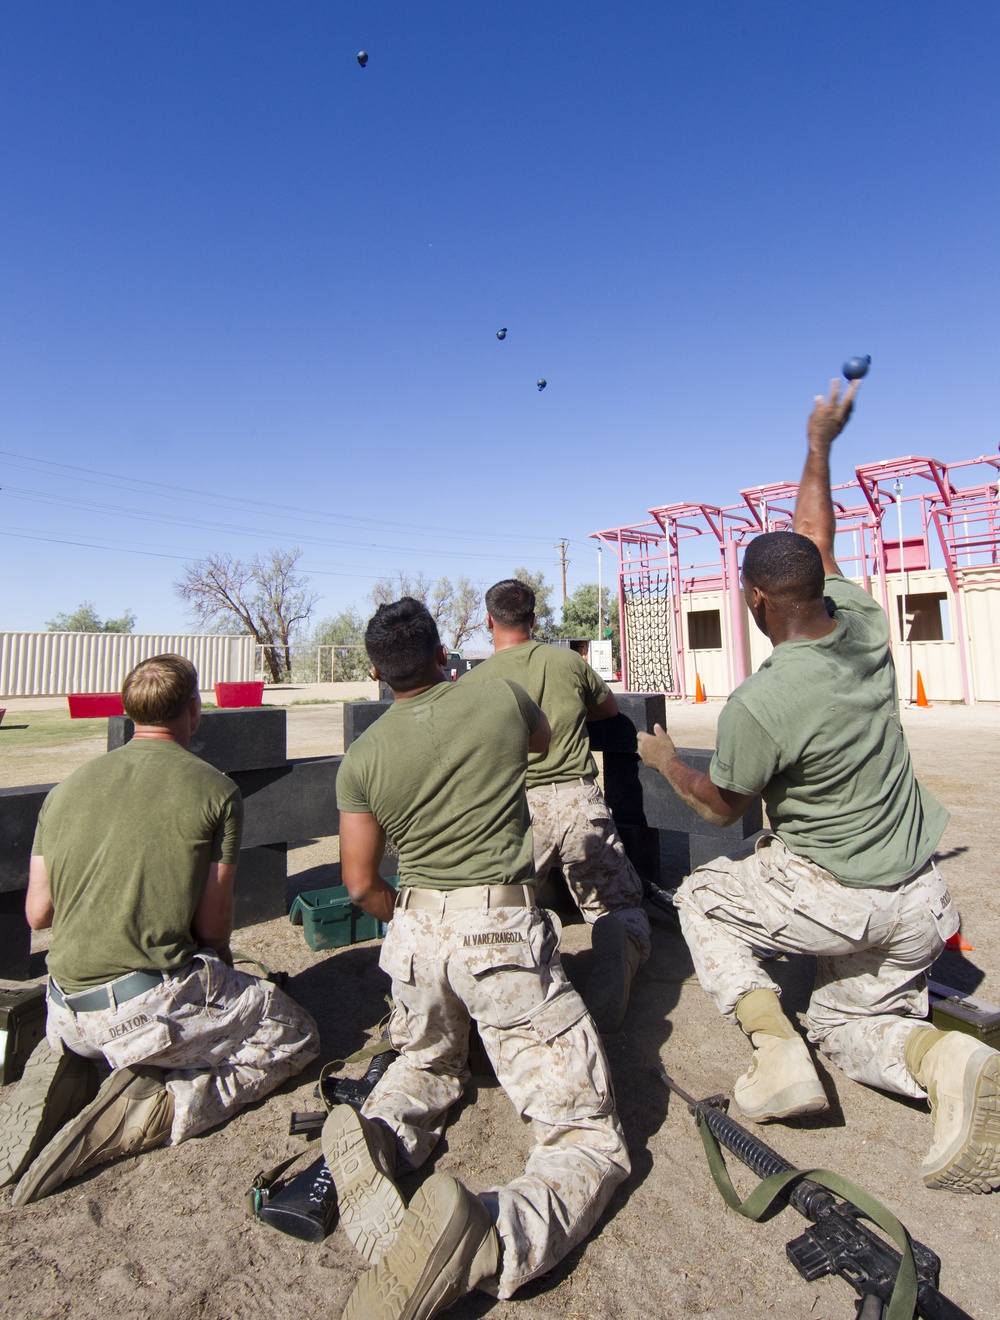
109,995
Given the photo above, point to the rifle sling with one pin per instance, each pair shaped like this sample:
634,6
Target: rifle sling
903,1302
265,1179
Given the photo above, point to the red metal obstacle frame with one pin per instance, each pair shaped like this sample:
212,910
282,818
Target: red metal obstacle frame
966,520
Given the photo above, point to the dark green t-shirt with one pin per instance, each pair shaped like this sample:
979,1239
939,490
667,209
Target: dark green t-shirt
127,841
565,686
816,730
443,774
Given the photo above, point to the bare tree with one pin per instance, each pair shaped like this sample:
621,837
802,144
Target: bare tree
463,612
395,586
457,607
265,596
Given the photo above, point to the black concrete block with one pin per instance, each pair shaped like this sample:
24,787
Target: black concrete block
260,885
228,739
120,731
15,936
642,847
295,801
637,711
704,848
685,852
664,810
19,808
639,795
361,715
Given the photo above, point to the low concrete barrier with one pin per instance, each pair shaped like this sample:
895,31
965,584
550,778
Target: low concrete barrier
288,801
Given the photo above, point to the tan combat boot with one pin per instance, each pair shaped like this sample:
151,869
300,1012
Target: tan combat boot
132,1113
445,1247
361,1157
616,961
962,1079
55,1086
781,1081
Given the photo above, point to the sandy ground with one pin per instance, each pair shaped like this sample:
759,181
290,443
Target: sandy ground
166,1235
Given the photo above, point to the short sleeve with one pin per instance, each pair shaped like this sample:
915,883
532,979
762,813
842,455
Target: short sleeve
229,831
746,756
595,690
351,793
37,847
530,713
849,597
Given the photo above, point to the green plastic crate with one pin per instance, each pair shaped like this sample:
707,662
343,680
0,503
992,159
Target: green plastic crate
22,1025
329,919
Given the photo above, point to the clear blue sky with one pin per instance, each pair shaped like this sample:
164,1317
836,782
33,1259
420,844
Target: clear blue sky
260,286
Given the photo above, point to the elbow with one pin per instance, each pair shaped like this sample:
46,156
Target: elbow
38,918
358,887
711,817
723,822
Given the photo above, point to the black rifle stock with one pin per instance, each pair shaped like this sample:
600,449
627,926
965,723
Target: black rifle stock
342,1091
837,1242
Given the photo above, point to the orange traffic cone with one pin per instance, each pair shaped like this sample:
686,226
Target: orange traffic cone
958,941
921,694
699,691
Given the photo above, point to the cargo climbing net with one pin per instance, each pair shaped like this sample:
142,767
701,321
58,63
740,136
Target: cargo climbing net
646,597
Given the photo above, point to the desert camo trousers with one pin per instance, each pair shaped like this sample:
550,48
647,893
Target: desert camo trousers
500,966
872,948
222,1037
571,824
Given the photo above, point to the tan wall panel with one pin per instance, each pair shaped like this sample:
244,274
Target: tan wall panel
982,610
712,664
939,662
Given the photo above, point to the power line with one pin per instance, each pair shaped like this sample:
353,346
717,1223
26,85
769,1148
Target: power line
144,515
134,484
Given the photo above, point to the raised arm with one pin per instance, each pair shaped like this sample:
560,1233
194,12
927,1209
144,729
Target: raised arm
814,516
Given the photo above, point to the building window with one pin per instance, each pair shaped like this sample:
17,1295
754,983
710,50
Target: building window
927,616
705,630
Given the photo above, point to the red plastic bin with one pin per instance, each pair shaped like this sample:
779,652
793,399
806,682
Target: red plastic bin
94,705
228,695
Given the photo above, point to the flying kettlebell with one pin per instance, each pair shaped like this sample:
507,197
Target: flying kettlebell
541,382
855,368
362,57
502,333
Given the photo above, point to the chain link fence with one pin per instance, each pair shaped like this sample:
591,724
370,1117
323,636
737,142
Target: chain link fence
313,662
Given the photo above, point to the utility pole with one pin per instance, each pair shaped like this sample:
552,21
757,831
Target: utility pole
600,591
562,563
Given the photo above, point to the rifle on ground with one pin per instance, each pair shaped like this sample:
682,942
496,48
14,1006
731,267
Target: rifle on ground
905,1281
343,1091
306,1206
